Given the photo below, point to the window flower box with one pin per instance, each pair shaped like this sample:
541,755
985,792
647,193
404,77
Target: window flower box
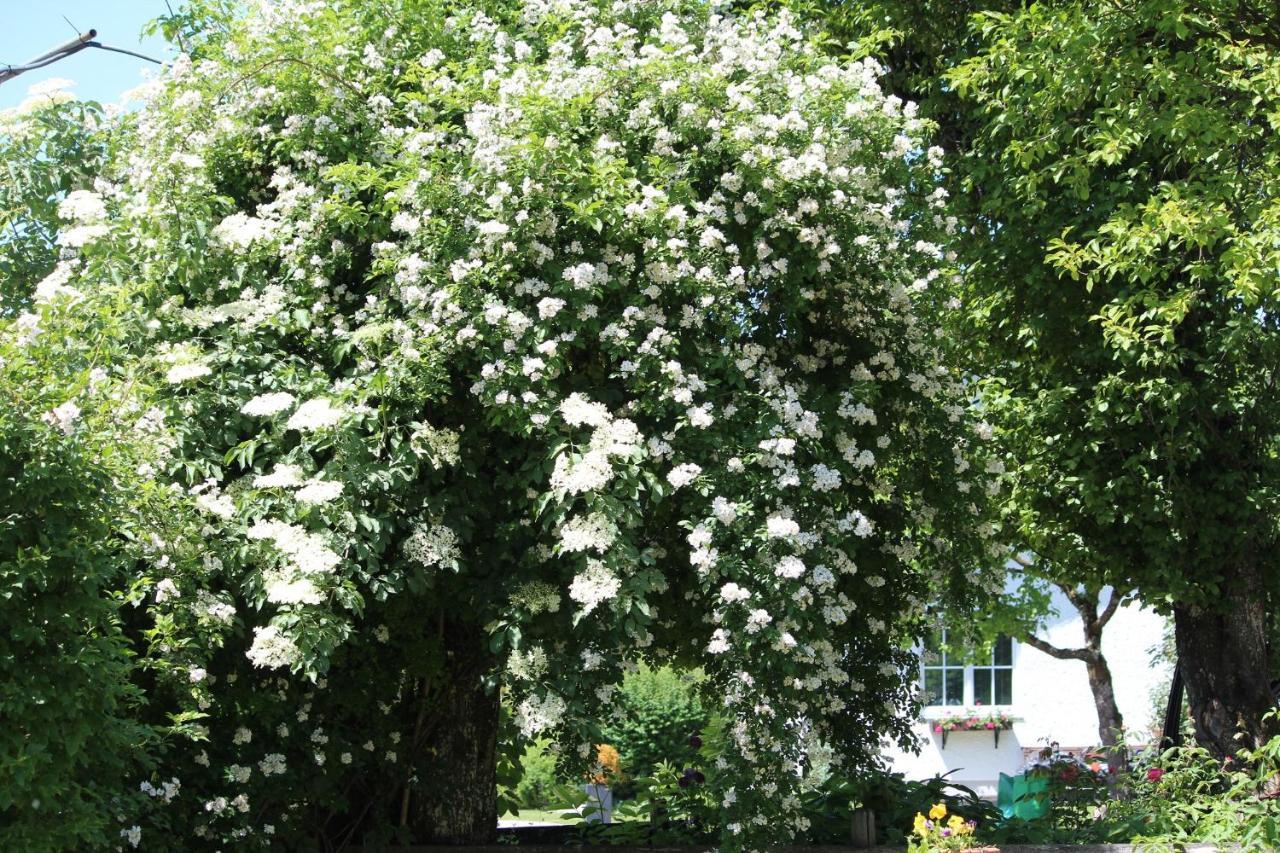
976,720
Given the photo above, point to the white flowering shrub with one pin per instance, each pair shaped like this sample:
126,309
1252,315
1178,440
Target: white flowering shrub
562,333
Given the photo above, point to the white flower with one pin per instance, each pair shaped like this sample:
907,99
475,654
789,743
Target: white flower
757,619
780,446
317,491
315,414
301,591
592,532
197,674
166,590
616,438
271,650
441,446
593,586
282,476
549,307
538,713
593,471
240,231
186,372
432,545
55,284
789,567
272,764
719,642
63,417
731,592
577,410
537,597
700,417
209,607
723,510
82,206
778,527
825,479
683,475
82,235
266,405
219,505
133,835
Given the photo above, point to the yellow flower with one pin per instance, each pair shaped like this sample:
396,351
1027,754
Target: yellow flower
955,823
939,811
920,829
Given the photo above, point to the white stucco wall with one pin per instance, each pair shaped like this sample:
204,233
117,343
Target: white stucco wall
1053,700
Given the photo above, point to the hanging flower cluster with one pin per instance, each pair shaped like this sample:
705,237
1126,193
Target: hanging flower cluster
611,329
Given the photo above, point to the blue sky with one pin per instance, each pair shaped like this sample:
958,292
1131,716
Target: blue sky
31,27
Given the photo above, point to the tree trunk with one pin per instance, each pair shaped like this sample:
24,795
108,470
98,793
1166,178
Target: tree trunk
1225,661
1110,723
453,796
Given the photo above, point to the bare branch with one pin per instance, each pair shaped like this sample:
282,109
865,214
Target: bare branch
1084,601
1053,651
1110,610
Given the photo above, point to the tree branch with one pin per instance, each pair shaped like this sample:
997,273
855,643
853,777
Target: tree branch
1053,651
1085,602
1110,610
1023,561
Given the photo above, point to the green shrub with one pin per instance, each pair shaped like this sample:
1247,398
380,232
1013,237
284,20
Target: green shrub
540,787
76,741
659,711
1185,795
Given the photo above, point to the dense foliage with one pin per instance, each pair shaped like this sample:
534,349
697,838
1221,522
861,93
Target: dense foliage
78,509
656,716
1112,164
1133,364
518,343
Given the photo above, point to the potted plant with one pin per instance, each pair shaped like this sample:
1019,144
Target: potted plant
606,772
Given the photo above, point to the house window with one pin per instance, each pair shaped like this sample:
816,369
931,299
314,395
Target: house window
951,677
993,682
943,677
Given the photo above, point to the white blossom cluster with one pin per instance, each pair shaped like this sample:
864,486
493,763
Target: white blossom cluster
673,278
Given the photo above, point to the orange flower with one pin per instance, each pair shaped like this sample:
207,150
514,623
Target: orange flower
608,766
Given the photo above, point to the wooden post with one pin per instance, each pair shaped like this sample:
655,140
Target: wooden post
864,829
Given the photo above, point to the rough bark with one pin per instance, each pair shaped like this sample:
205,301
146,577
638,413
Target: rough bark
1110,722
1225,663
452,799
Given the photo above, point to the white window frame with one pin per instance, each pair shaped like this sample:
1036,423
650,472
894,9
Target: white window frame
970,680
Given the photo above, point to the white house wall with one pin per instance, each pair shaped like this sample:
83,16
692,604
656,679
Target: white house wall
1053,700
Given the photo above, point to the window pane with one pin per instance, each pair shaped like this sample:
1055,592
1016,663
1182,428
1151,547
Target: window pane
933,687
982,685
1004,687
1004,651
955,686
